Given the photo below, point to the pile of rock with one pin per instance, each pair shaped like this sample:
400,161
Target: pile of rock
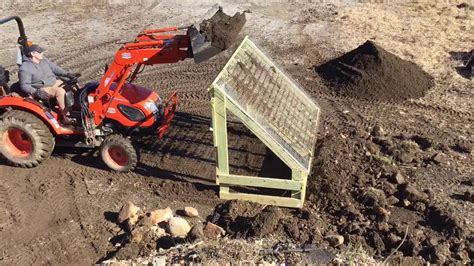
140,226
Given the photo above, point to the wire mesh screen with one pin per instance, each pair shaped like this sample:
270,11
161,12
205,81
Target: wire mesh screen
271,99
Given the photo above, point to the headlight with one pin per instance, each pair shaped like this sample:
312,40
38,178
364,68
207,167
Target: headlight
131,113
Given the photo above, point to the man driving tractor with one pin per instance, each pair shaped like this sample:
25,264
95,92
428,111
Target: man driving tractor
38,78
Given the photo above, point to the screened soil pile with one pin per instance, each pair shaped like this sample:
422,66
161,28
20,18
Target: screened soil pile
371,73
221,29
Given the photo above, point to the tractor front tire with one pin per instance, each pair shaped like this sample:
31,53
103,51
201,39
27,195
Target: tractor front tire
118,153
25,140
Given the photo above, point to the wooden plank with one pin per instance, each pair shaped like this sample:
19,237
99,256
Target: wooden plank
219,128
257,181
263,199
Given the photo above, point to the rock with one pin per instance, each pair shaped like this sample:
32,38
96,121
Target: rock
382,213
414,244
157,231
374,197
372,148
354,229
383,227
136,236
419,206
470,249
386,143
440,158
441,253
409,192
376,242
433,241
178,227
213,231
145,221
389,188
196,233
116,230
405,157
378,131
159,261
132,221
191,212
463,256
397,178
392,200
352,212
394,239
335,240
161,215
405,203
127,211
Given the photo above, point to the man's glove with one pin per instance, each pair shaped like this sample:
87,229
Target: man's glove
4,76
41,94
72,75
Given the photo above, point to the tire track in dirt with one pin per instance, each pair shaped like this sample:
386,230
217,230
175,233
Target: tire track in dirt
51,218
71,54
10,212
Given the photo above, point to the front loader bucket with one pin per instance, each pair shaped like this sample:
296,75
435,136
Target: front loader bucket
215,34
202,50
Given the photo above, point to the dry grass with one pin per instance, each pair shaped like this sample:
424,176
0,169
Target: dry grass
356,256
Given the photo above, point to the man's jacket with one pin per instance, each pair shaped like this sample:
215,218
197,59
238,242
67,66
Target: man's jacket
34,76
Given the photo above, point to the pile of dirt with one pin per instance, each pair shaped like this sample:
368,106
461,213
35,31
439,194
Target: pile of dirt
251,220
371,73
374,203
221,29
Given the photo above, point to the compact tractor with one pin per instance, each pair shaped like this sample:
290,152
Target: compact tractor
109,112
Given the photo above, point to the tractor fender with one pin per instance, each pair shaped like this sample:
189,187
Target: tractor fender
35,108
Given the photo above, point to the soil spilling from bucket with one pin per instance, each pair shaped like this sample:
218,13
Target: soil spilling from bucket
371,73
221,29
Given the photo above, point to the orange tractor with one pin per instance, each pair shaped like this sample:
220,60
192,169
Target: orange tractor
110,112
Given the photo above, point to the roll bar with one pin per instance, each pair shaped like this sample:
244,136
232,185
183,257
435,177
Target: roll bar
22,40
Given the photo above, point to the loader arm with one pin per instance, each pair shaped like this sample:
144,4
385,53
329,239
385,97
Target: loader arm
160,46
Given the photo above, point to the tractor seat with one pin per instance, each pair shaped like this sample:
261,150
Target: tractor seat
15,90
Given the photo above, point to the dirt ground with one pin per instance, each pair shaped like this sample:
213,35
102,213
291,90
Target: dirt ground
60,212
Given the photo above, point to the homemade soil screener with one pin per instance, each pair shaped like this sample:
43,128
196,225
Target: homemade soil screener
276,110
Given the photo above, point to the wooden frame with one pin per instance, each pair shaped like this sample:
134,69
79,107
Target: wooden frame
221,104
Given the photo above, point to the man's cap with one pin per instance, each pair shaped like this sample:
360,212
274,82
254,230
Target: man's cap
36,48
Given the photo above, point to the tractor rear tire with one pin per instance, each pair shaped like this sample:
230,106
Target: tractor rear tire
25,140
118,153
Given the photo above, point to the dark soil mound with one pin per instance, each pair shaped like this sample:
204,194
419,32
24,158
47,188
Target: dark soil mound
372,202
221,29
371,73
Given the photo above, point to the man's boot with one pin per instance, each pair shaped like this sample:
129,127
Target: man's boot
67,121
